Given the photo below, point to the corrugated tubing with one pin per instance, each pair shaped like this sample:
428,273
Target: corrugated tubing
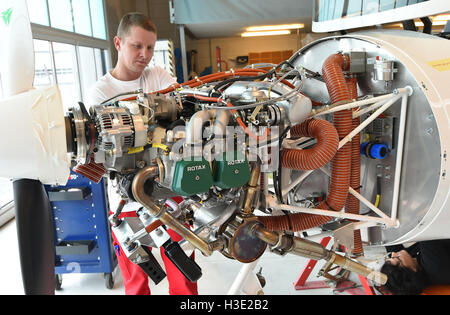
317,156
352,205
332,71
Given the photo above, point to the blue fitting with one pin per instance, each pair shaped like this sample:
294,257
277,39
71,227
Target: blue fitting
374,150
363,148
379,151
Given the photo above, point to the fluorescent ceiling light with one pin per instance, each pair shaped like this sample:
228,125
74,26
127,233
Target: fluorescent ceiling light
267,33
435,23
443,17
438,20
274,27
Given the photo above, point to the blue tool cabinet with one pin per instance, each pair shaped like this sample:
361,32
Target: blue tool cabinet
82,231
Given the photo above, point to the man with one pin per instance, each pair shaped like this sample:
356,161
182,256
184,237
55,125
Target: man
412,270
135,42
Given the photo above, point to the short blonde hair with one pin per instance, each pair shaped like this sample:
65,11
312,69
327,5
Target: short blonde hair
134,19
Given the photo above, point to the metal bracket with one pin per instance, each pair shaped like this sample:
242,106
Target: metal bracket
344,236
280,247
342,233
333,280
172,12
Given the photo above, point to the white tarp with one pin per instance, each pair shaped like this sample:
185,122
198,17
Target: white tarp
33,141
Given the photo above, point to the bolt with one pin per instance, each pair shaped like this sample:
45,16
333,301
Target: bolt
141,164
138,258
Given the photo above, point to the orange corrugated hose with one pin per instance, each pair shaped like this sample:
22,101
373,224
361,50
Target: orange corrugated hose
340,169
352,204
317,156
207,79
217,77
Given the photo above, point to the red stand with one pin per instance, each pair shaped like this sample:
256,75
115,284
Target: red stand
368,290
301,284
343,286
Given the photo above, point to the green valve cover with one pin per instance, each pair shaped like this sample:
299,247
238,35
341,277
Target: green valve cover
192,177
233,172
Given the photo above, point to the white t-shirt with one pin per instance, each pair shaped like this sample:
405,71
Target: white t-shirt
152,79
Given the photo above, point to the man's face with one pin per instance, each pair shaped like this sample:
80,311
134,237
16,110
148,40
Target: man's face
136,49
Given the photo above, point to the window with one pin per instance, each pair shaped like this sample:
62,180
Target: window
91,67
67,73
61,14
74,68
327,10
70,45
388,5
38,11
43,66
84,17
98,19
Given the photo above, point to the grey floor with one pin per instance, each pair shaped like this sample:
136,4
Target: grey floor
219,273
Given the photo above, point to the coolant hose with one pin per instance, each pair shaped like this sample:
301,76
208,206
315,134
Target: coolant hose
352,204
317,156
333,75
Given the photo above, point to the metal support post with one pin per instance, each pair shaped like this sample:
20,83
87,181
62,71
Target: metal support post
183,52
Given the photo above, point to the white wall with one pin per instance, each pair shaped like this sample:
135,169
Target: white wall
231,47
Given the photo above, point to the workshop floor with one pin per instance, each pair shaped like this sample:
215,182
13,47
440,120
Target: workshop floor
219,273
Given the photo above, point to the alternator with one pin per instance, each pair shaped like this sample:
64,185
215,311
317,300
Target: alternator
118,131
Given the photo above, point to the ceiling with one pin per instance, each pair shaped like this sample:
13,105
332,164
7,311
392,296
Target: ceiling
228,18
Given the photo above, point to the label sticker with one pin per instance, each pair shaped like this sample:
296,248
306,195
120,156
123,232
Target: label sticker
6,16
440,65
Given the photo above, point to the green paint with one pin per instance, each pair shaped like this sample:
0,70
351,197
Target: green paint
232,171
192,177
7,16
